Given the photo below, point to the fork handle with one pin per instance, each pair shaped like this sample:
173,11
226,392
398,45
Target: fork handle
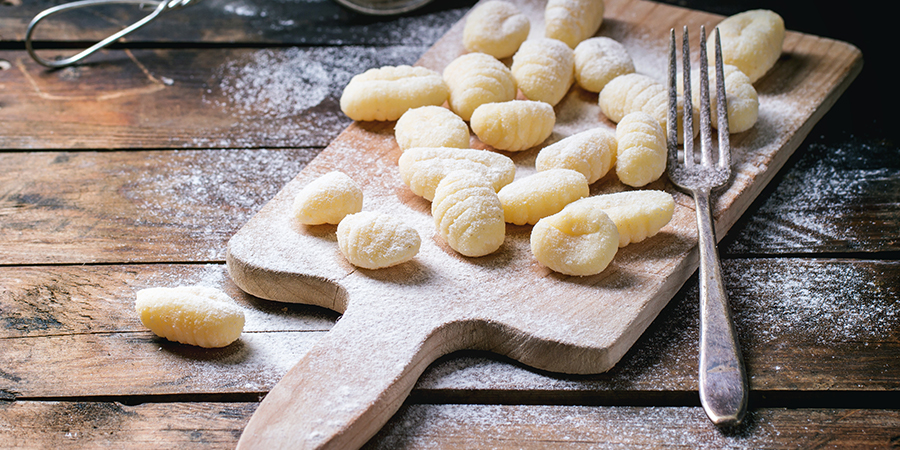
723,381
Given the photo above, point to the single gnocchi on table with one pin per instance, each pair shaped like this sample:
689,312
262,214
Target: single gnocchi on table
572,21
741,99
591,153
598,60
496,28
637,92
751,41
544,69
475,79
515,125
579,240
328,199
431,126
529,199
386,93
468,215
422,169
193,315
374,240
638,215
642,153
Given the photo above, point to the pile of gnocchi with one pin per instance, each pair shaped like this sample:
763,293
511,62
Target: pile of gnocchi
474,193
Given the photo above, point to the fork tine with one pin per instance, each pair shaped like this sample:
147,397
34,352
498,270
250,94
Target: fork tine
722,108
672,111
687,117
705,110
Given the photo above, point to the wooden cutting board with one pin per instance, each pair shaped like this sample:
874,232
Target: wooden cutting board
396,321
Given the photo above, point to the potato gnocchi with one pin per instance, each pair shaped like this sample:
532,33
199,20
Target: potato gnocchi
572,21
194,315
529,199
642,154
328,199
386,93
636,92
637,214
468,215
496,28
544,69
475,79
422,169
591,153
431,126
579,240
598,60
516,125
751,41
741,98
373,240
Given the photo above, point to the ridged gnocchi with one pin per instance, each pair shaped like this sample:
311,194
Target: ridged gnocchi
579,240
328,199
591,153
598,60
529,199
387,92
637,214
422,169
431,126
374,240
572,21
194,315
636,92
741,98
468,215
475,79
496,28
516,125
751,41
544,69
642,154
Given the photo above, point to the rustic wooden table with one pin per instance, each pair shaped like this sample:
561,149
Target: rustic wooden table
134,170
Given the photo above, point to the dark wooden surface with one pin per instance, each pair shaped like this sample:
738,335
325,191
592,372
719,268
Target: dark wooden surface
110,184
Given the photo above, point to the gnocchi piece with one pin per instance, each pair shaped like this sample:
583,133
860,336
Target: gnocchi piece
579,240
422,169
642,152
572,21
514,126
328,199
544,69
431,126
591,153
193,315
598,60
468,215
751,41
637,214
373,240
741,98
496,28
536,196
635,92
386,93
475,79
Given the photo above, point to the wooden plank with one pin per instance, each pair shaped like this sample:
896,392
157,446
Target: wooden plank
38,425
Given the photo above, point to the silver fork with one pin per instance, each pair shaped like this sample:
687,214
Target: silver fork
723,382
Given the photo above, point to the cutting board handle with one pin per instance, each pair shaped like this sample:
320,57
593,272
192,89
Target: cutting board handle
351,382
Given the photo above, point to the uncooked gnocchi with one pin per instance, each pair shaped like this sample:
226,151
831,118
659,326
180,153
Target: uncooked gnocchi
386,93
328,199
496,28
637,214
516,125
374,240
591,153
741,98
544,69
468,215
579,240
572,21
598,60
636,92
423,168
431,126
541,194
194,315
642,154
475,79
751,41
